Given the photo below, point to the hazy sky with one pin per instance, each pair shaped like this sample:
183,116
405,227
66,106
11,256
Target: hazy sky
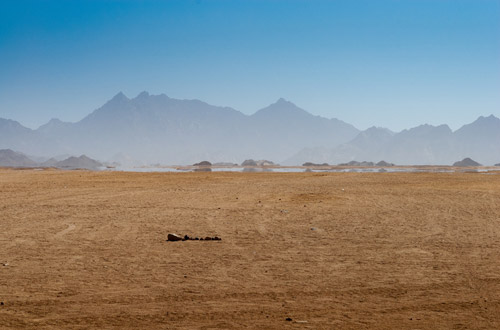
396,63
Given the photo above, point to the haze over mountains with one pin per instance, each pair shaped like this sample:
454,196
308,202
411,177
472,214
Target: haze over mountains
158,129
422,145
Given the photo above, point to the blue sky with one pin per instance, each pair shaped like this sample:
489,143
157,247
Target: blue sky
391,63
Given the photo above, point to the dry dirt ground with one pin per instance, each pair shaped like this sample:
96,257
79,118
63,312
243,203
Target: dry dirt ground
83,250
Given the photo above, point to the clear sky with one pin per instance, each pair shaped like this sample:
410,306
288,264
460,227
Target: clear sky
391,63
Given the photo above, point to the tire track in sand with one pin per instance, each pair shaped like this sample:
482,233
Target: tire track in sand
65,231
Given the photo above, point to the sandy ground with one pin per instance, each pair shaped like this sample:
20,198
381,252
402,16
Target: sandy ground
85,250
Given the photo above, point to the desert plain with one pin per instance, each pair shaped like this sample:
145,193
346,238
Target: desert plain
88,250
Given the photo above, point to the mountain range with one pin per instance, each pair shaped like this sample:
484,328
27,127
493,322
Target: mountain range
422,145
159,129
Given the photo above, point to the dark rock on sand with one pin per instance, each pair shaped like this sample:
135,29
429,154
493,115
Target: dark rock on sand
174,237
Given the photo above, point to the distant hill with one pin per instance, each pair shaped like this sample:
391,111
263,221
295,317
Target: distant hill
10,158
82,162
466,162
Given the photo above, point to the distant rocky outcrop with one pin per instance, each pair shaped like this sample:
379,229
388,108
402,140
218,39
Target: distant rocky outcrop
264,162
314,164
497,164
466,162
203,163
355,163
384,163
10,158
249,162
82,162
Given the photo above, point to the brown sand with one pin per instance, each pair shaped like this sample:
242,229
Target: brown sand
387,250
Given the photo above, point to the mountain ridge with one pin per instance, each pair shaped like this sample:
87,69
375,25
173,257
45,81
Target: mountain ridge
422,145
160,129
